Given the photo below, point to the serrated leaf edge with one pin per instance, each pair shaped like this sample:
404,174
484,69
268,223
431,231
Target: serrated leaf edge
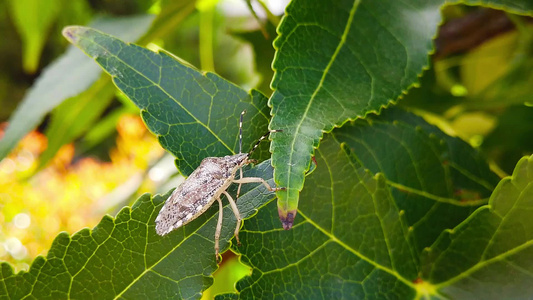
41,260
377,111
524,160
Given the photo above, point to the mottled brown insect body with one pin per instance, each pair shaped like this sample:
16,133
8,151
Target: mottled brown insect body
196,194
205,185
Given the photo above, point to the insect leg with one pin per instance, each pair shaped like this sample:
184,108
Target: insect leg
239,188
258,179
237,216
219,227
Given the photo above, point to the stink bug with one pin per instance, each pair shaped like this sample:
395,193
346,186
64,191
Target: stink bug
205,185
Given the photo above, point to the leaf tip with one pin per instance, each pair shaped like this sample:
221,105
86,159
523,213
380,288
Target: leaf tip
71,33
287,218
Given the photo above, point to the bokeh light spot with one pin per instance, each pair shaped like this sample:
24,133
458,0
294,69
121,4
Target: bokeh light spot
459,90
22,221
7,165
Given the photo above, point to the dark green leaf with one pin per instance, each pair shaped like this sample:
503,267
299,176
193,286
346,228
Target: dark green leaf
430,96
355,228
437,180
123,257
512,137
194,115
77,115
350,240
489,255
337,61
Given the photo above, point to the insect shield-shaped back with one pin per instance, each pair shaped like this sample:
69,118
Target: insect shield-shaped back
204,186
196,194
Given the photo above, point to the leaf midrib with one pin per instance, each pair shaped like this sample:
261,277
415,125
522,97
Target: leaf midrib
447,200
319,86
159,86
421,192
484,263
355,252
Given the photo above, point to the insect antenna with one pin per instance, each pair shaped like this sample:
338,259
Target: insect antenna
240,131
260,139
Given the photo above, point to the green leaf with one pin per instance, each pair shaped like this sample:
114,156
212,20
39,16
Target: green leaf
437,180
490,253
511,137
350,240
173,13
123,257
78,114
264,53
68,76
429,96
484,65
104,128
75,116
33,20
194,115
513,6
337,61
468,167
355,228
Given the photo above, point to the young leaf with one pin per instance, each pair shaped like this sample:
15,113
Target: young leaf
489,254
337,61
123,257
194,115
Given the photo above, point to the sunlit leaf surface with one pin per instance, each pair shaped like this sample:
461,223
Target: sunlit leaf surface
337,61
194,115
